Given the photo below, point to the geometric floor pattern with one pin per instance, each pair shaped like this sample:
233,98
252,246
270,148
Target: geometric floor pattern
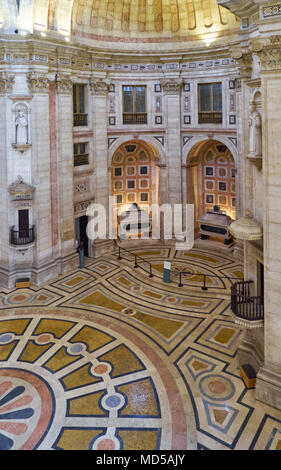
107,357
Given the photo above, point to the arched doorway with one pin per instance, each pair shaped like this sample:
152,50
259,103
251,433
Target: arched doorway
135,177
211,178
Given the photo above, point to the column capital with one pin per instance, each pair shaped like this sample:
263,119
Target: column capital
244,58
269,52
64,85
98,87
37,82
6,82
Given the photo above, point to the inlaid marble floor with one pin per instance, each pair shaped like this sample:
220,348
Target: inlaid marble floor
109,358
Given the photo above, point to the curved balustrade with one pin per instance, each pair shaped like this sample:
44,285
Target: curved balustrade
244,305
22,237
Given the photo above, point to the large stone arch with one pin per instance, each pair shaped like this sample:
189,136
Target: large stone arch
202,139
194,159
152,143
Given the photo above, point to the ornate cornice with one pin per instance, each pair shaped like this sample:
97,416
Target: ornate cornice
37,82
98,87
269,52
172,86
63,84
6,82
244,58
241,8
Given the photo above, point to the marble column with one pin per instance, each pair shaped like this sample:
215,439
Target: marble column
99,92
67,256
172,91
268,386
6,86
44,266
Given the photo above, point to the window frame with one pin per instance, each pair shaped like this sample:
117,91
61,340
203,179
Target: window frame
77,104
212,111
134,87
80,154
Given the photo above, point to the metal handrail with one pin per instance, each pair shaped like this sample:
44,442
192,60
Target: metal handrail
204,287
244,305
136,258
22,237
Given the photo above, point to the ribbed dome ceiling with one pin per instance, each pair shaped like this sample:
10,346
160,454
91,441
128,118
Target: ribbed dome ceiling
154,20
120,21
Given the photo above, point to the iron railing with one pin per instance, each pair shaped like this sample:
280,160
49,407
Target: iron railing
244,305
22,237
135,118
210,118
136,258
80,120
82,159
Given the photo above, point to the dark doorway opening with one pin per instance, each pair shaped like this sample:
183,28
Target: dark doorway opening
81,233
260,283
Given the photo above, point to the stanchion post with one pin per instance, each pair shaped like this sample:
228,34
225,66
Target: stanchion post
136,264
204,286
180,283
150,271
119,257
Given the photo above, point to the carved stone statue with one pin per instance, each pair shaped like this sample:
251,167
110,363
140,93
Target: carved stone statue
21,123
255,124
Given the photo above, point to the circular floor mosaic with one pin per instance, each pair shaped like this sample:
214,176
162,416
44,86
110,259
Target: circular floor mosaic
70,384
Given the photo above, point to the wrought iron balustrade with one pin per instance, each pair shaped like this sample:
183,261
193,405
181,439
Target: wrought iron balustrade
82,159
80,120
135,118
210,118
22,237
244,305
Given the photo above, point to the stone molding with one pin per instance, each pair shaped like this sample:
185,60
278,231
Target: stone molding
6,82
64,85
37,82
98,87
269,52
244,58
172,87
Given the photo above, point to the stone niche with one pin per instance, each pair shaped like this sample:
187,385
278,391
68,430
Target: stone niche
21,127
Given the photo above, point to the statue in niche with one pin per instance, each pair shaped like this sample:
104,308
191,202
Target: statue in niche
21,123
255,124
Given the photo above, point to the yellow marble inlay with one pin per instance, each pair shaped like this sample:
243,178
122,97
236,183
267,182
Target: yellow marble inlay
93,338
148,253
278,447
164,326
77,439
201,257
58,328
224,335
138,440
152,294
14,326
238,274
158,267
123,361
74,281
42,297
33,351
87,405
59,360
6,349
99,299
79,378
141,399
198,365
124,281
193,303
